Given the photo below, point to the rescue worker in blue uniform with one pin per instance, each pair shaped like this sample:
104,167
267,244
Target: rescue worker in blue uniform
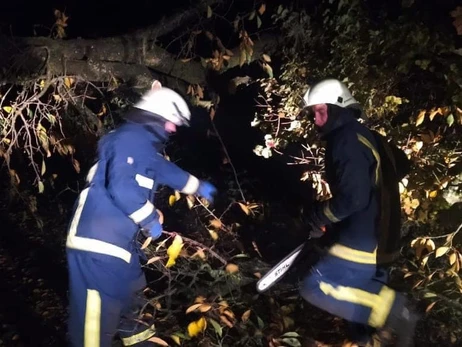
359,227
102,251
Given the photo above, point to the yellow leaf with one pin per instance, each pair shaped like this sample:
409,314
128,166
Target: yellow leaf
433,194
68,81
415,203
420,118
209,12
171,200
452,258
213,234
441,251
7,109
195,328
174,250
153,259
262,9
176,339
232,268
158,340
146,242
216,223
245,316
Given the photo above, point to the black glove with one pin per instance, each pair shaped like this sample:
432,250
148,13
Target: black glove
317,231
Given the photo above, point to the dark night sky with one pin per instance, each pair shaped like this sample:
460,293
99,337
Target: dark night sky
86,18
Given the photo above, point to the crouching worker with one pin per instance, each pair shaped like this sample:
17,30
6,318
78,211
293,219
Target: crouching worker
360,225
102,253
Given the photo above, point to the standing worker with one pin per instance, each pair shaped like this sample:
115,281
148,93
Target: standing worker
360,225
102,253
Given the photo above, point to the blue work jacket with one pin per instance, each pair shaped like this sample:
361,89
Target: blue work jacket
118,198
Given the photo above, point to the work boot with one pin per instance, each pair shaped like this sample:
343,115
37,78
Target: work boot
401,323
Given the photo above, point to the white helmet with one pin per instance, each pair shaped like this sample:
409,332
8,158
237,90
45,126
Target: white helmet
167,104
329,91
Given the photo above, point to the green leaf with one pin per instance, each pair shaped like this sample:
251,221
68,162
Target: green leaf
252,15
292,342
209,12
216,326
429,295
291,334
261,324
450,119
258,22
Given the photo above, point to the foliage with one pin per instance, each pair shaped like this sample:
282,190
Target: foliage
206,268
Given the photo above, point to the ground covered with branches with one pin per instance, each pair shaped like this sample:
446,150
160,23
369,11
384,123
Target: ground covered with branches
250,138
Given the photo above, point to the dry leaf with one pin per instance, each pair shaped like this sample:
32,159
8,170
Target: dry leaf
158,340
429,307
232,268
193,308
452,258
216,223
205,308
441,251
245,316
420,118
244,208
226,321
153,259
146,242
262,9
190,201
213,234
266,58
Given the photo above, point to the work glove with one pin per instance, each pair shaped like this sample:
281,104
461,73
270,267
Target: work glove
154,230
317,231
207,191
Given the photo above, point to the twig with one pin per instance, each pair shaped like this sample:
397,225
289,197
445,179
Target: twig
198,244
229,160
445,235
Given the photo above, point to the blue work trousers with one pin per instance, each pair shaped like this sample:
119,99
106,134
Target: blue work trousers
352,292
102,295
